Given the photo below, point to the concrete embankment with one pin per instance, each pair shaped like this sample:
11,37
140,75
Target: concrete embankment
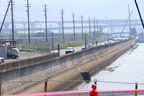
60,71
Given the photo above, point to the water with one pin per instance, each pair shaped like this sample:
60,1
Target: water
127,70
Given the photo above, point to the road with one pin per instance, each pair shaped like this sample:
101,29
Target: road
24,55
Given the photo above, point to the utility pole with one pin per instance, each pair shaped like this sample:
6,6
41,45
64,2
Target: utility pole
73,25
94,28
97,28
129,21
85,40
28,19
12,19
89,29
82,25
62,23
46,22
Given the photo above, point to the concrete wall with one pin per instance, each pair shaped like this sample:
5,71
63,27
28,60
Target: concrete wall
27,76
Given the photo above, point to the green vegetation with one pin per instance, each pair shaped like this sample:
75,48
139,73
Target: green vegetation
42,34
67,43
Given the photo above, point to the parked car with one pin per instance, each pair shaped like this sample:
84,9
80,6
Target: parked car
69,50
83,47
1,60
110,41
89,45
102,43
55,51
105,42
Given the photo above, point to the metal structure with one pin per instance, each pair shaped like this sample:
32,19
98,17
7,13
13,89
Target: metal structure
125,25
5,16
139,14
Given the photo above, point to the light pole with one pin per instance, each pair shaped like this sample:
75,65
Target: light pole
85,39
89,29
94,28
50,30
24,28
62,24
97,29
73,25
40,27
82,25
52,41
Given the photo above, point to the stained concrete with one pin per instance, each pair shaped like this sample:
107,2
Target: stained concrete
59,70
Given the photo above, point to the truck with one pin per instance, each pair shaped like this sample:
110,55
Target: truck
8,49
12,52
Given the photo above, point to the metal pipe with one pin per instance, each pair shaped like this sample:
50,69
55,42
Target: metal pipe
45,87
139,14
4,17
136,87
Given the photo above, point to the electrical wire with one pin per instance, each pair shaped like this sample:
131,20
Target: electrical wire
19,17
95,80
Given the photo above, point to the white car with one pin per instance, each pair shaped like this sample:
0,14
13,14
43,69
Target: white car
1,60
105,42
89,45
69,50
55,51
102,43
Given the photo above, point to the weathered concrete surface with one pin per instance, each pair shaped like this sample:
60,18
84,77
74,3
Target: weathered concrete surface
59,70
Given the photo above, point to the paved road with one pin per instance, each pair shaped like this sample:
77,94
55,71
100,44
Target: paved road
24,55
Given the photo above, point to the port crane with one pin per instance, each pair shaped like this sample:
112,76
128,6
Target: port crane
125,25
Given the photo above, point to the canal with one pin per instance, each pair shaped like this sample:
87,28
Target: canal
121,74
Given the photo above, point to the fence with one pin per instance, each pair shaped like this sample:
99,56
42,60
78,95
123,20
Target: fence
132,92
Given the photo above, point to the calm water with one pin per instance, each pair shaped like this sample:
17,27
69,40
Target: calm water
128,68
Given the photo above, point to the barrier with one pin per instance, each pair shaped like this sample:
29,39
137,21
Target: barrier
67,67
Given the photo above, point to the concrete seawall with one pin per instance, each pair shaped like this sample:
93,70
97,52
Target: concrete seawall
20,77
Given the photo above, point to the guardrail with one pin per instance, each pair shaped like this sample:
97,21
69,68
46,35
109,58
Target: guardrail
92,92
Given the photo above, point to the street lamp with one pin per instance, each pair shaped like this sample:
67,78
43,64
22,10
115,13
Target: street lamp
52,41
40,27
85,39
50,29
24,28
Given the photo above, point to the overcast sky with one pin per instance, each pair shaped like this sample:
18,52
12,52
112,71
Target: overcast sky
99,9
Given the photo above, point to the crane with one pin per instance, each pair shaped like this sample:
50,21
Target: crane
125,25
